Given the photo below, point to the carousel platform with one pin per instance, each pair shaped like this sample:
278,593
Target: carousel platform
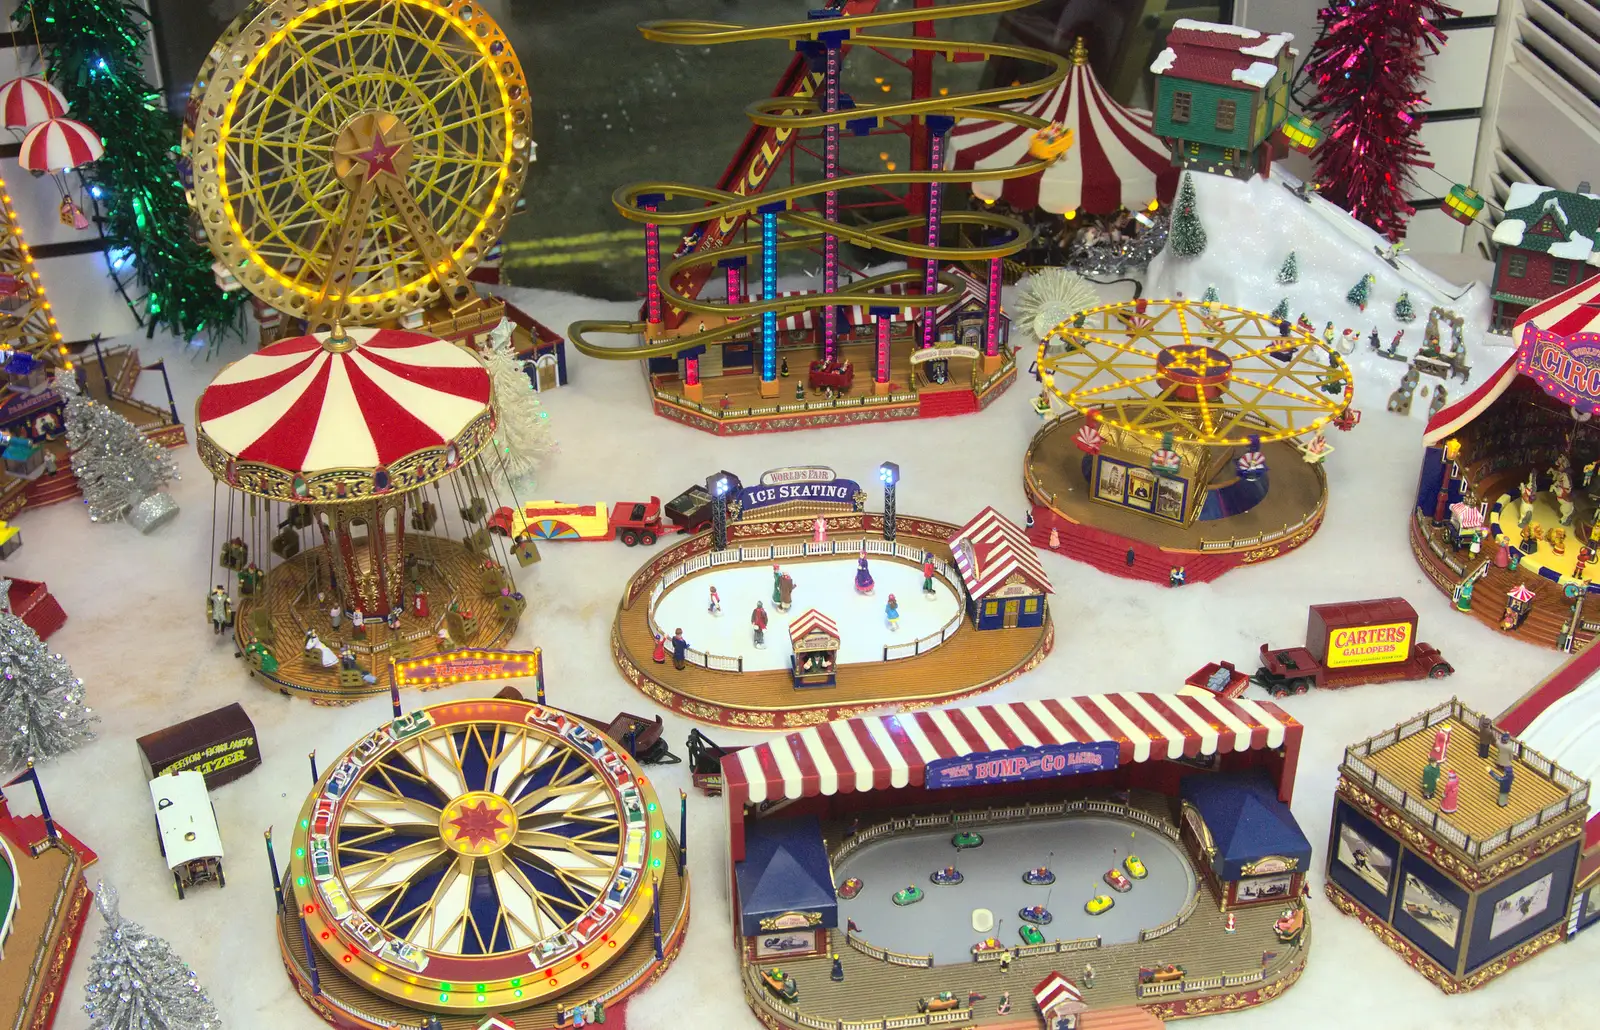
1124,543
449,573
908,397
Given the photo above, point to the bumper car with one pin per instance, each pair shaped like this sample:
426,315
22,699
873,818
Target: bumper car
1117,882
1040,877
1134,867
908,895
987,944
1098,904
850,888
1030,934
948,876
1035,914
967,839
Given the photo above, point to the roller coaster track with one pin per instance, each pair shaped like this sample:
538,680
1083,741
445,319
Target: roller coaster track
805,112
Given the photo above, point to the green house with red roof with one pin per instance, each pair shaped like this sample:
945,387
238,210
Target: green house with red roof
1222,91
1545,243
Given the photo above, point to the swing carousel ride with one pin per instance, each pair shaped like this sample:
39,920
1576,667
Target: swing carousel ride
1190,441
351,161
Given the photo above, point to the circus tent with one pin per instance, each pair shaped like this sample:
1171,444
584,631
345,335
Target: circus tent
1116,159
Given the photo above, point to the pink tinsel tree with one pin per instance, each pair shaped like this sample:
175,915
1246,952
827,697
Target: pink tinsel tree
1366,71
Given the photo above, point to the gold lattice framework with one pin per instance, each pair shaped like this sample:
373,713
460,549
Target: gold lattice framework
354,159
1209,374
26,321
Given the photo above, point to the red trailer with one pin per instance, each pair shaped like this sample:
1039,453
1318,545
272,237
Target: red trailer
1349,644
632,522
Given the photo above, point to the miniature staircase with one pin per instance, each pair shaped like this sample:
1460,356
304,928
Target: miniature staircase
939,403
1109,553
63,486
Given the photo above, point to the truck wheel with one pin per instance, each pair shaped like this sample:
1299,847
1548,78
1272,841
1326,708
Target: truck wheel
1301,686
222,879
1440,671
647,538
1279,688
177,882
628,539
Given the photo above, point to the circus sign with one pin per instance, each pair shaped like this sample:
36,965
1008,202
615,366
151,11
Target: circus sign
1027,763
463,665
1566,367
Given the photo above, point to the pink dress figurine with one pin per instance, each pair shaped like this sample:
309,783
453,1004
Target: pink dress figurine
1441,743
659,655
821,527
1452,793
864,582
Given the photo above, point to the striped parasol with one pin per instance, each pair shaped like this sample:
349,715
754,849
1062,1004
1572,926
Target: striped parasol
29,100
59,145
1116,161
391,408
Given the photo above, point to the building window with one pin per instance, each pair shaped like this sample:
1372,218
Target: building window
1227,110
1030,605
991,609
1560,273
1517,265
1227,154
1194,150
1181,103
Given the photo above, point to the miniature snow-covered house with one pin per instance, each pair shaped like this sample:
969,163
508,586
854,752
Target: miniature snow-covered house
1546,244
1222,91
1005,583
1060,1002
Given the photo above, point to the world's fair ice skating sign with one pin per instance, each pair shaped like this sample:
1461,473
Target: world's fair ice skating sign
1026,763
813,484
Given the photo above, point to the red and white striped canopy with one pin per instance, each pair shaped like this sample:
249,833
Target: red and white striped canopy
1053,990
30,100
1116,159
58,145
813,621
854,314
989,549
302,407
883,751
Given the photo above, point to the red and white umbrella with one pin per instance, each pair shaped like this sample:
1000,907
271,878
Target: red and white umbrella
58,145
30,100
304,407
1115,161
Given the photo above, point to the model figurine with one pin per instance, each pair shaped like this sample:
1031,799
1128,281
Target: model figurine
891,612
784,597
714,603
1088,975
659,655
1005,1003
347,662
680,649
864,582
1505,751
820,530
777,596
1441,742
1040,877
948,876
1230,926
758,625
1503,777
358,623
1452,793
927,572
219,608
321,652
837,973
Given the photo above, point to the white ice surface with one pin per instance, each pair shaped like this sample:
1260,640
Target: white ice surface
828,586
136,635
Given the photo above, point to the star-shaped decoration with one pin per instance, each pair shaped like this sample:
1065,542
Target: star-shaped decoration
379,157
478,824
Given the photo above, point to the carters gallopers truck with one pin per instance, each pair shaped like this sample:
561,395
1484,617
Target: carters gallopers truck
1351,643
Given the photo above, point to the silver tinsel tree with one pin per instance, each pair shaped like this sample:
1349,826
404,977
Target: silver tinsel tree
137,982
117,466
42,713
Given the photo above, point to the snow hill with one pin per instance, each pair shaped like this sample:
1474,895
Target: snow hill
1252,225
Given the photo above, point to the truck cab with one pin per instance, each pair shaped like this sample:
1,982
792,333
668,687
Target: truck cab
690,511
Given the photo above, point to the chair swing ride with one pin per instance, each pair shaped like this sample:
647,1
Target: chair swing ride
1169,390
352,161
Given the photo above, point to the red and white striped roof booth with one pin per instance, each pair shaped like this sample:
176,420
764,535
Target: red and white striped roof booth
990,549
815,629
882,752
1058,998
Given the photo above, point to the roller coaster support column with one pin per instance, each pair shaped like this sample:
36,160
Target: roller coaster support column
652,266
769,291
991,321
938,125
733,270
880,355
830,45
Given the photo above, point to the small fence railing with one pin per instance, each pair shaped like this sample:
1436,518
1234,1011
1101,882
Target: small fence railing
754,989
1198,984
42,953
762,553
894,958
1475,848
718,412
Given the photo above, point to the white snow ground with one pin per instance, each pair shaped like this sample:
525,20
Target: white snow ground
828,586
135,634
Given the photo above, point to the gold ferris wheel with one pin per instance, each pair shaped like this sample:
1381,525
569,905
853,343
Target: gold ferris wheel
354,159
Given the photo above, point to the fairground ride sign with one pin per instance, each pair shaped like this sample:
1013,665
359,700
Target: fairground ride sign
1027,763
464,665
1565,367
811,484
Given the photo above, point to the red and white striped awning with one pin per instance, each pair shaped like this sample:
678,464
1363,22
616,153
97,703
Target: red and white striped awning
300,406
812,621
989,549
59,145
883,751
1116,159
1054,990
29,100
854,314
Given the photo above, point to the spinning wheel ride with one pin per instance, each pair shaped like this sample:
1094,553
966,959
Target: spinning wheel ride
352,160
485,855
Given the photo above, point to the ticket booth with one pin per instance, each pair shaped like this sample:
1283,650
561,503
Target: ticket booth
814,638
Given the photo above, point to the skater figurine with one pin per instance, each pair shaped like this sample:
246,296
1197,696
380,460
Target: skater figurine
864,582
784,592
358,623
335,616
1430,779
820,530
659,655
680,649
219,608
758,625
1374,341
891,612
1504,777
837,974
927,574
1005,1003
714,603
1452,793
1088,975
1394,344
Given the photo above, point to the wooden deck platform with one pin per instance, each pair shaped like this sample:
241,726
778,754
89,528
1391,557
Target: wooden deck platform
969,662
45,934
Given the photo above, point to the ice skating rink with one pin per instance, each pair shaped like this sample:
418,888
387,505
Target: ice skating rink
828,586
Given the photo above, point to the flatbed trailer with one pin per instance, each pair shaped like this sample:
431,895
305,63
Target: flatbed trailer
1350,644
